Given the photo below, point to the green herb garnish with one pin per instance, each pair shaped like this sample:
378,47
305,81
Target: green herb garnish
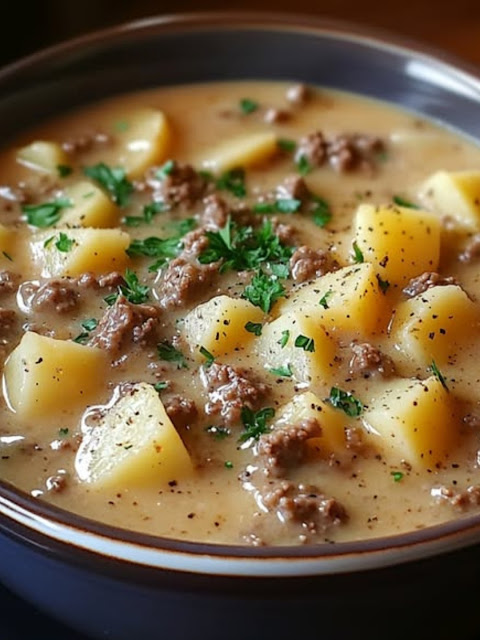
438,374
303,165
63,432
219,433
161,248
160,386
346,402
307,344
48,241
284,339
255,423
248,106
383,284
254,327
282,205
82,338
166,351
64,170
149,212
234,182
114,180
357,253
286,145
283,372
322,213
46,214
209,357
120,126
397,475
401,202
64,243
324,299
165,170
90,324
228,464
263,291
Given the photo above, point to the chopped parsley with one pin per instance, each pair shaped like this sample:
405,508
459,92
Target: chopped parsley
48,241
228,464
280,269
263,291
46,214
248,106
90,324
63,432
322,214
438,374
282,205
287,145
64,170
165,170
166,351
218,433
82,338
234,182
182,227
283,372
132,290
305,343
255,423
397,475
120,126
254,327
114,180
160,386
401,202
323,302
284,339
383,284
346,402
64,243
209,357
161,248
303,165
357,253
149,212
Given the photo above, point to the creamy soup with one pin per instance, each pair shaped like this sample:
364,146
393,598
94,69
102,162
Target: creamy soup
242,313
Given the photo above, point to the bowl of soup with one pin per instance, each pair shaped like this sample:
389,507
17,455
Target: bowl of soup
240,320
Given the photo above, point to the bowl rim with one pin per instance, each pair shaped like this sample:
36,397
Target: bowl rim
80,533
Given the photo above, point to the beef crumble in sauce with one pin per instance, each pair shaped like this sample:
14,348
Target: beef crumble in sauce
242,313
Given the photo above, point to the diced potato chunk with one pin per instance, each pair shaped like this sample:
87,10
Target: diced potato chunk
219,325
245,151
90,207
133,444
96,250
332,422
43,376
277,349
43,156
455,194
401,242
434,325
414,420
354,301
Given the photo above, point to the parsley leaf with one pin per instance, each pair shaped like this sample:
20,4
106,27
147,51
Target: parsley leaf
228,464
346,402
63,432
165,170
303,165
322,214
82,338
282,205
153,247
149,212
307,344
397,475
357,253
209,357
90,324
248,106
182,227
114,180
383,284
324,299
287,145
401,202
438,374
160,386
64,243
233,181
263,291
284,339
64,170
284,371
133,291
254,327
46,214
255,423
166,351
219,433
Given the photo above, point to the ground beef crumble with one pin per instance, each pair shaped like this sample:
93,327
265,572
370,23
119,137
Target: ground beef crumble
184,280
368,361
426,281
56,295
229,390
215,212
461,500
307,263
182,185
181,411
8,282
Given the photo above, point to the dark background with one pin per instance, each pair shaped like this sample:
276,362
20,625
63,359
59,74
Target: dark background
451,25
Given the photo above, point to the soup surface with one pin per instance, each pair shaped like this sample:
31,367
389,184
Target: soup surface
242,313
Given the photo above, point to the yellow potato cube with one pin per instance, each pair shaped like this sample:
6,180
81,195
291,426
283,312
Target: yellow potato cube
347,301
332,422
314,362
401,242
219,325
455,194
43,156
434,325
96,250
44,377
90,207
133,444
414,420
245,151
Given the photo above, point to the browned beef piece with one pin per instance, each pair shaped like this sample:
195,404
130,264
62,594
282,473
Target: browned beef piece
58,295
86,141
8,318
276,116
184,280
89,280
182,185
293,186
181,411
286,447
472,421
123,322
429,279
194,242
284,232
56,484
461,500
368,361
354,439
215,212
8,282
347,152
298,93
472,250
229,390
303,504
307,263
313,148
